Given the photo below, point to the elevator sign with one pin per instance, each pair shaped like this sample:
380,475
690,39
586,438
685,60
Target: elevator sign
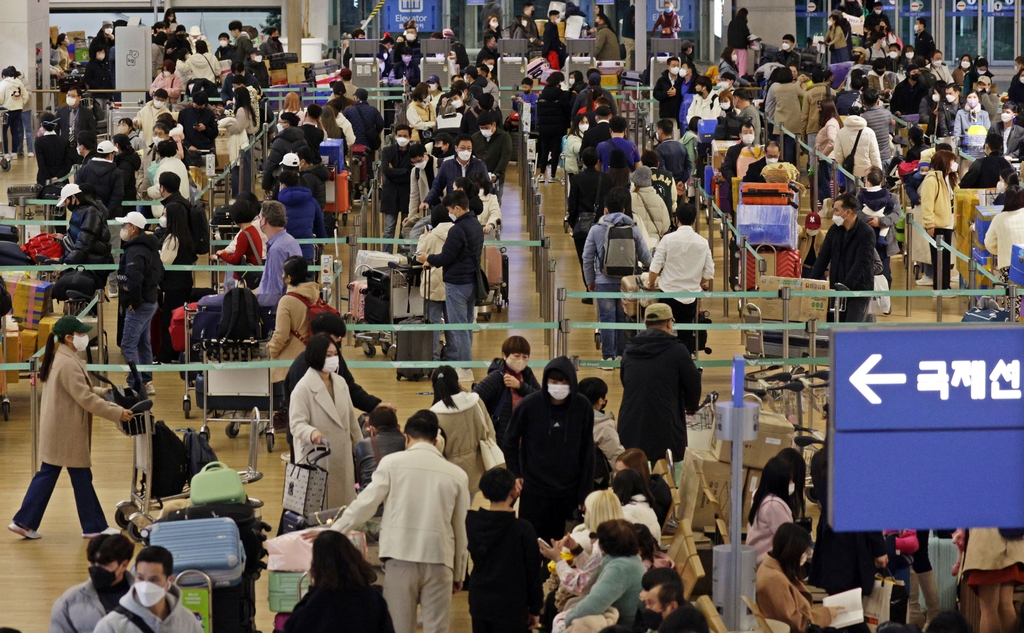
398,12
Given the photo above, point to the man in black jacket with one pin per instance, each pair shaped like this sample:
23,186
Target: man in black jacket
53,154
660,383
550,448
311,127
138,275
787,55
553,43
460,259
924,44
493,145
848,252
1007,128
395,165
907,95
288,141
100,171
984,173
772,153
74,118
586,202
600,131
243,44
199,123
669,92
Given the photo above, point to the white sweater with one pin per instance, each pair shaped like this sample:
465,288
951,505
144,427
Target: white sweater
1006,230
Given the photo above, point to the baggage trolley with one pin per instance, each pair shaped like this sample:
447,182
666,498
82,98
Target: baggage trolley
237,390
392,296
5,160
196,595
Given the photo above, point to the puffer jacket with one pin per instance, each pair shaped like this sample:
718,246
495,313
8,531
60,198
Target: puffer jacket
88,238
867,149
553,110
179,620
315,179
651,208
889,205
288,140
106,179
463,427
79,609
498,398
936,202
491,214
305,217
129,163
140,271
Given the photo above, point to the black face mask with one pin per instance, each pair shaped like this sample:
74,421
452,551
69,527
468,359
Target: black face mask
102,578
652,619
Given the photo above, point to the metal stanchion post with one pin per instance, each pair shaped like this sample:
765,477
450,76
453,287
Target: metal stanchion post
743,269
726,262
908,258
940,275
549,299
784,294
101,342
972,280
1011,301
559,317
33,373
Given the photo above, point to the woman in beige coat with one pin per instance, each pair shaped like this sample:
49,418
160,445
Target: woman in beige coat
994,565
291,331
432,279
320,413
464,422
65,431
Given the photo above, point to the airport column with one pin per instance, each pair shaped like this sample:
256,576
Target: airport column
25,40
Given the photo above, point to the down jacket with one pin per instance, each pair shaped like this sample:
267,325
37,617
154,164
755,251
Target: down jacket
79,609
288,140
88,238
498,398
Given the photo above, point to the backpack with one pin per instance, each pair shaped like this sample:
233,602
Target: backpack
6,302
170,468
44,246
619,251
313,309
239,317
199,227
197,452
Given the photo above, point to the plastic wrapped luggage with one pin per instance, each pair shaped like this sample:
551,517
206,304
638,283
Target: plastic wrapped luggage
778,263
492,265
211,546
769,225
769,193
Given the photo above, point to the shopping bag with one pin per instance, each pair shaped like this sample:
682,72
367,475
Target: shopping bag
305,485
881,305
887,603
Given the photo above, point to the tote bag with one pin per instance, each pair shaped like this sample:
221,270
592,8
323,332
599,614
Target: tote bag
305,485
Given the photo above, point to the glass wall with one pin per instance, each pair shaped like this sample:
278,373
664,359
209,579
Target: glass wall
997,29
811,20
212,23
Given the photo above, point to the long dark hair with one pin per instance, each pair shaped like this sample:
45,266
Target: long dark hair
482,182
446,384
775,480
629,483
243,99
338,565
48,356
790,544
177,225
798,470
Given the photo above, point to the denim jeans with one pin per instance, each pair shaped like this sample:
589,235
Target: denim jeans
460,304
90,513
14,126
390,222
613,342
135,344
435,313
30,131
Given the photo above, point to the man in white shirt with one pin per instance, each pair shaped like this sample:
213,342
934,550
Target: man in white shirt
423,531
683,263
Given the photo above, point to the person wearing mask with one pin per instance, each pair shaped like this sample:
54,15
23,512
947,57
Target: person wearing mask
813,95
618,140
139,274
168,162
658,375
727,63
320,410
606,45
705,103
53,154
1007,227
247,247
936,193
667,24
404,72
1015,93
199,124
587,190
555,471
280,247
341,590
311,128
837,36
225,50
772,154
239,78
962,72
464,423
305,217
13,98
68,403
508,381
984,173
492,145
748,149
553,118
683,263
177,248
780,591
396,166
616,214
770,507
464,166
421,116
147,116
908,94
918,143
99,171
239,128
272,44
600,130
990,102
1008,130
383,437
366,120
97,71
586,100
673,155
788,55
880,209
924,44
668,91
87,240
423,530
650,212
289,139
847,252
878,119
738,38
730,122
154,601
168,81
80,608
460,259
663,181
128,162
424,167
858,140
973,75
947,111
74,118
936,71
969,115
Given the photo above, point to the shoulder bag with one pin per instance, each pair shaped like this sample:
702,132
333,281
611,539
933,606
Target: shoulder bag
489,451
849,160
135,619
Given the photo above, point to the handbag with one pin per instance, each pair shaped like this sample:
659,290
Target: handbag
489,451
305,485
251,278
848,162
887,602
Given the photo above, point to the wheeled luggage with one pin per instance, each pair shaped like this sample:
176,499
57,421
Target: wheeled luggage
216,483
211,546
768,225
251,528
357,300
492,265
413,346
283,593
769,193
233,609
778,263
1016,264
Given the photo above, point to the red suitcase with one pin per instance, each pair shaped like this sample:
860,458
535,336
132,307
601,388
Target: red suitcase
178,327
778,263
770,193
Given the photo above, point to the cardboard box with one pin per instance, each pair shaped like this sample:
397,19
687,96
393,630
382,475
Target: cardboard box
774,433
695,504
33,299
45,329
296,73
221,147
29,342
278,77
750,484
800,308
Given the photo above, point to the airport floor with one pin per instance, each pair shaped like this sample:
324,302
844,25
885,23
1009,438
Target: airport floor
37,572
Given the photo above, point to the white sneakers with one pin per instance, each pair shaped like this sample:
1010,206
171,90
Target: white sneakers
24,532
925,281
150,389
109,530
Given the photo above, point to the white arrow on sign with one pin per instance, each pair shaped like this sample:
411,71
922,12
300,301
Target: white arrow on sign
862,378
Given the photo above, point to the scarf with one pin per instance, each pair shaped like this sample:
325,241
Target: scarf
515,392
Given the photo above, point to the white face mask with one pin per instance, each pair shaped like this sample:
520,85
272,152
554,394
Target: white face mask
935,97
486,132
280,127
748,139
1000,186
515,365
1006,117
167,73
258,58
125,235
785,46
558,392
223,42
936,63
584,127
878,12
432,86
965,64
734,59
108,31
950,98
72,101
158,104
954,168
81,342
148,593
918,28
411,37
163,221
674,71
494,24
453,217
894,55
464,155
331,364
792,488
456,103
771,161
402,141
873,189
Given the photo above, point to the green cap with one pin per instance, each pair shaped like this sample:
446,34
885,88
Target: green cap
69,325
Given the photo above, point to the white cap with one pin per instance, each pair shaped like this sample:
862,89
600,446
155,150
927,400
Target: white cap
135,218
290,160
66,192
105,147
194,31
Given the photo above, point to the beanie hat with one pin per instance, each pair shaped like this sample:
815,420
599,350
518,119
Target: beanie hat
642,176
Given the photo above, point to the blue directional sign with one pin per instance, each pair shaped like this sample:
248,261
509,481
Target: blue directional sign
927,428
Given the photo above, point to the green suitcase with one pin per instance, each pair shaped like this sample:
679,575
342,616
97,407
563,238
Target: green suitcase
216,483
283,592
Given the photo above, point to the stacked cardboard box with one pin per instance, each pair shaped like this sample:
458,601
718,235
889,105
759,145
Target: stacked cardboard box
800,308
33,299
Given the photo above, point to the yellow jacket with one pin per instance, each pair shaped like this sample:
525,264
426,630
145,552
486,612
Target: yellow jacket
936,202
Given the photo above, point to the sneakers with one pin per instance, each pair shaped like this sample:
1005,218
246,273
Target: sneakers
112,291
109,530
31,154
465,374
24,532
286,457
150,389
925,281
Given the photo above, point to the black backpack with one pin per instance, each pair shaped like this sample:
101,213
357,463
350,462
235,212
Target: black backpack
197,452
6,302
200,228
170,467
239,318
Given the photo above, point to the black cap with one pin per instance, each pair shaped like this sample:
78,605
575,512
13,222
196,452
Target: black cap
911,67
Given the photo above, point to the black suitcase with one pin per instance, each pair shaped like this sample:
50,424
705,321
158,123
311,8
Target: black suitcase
233,609
12,255
504,278
413,346
8,233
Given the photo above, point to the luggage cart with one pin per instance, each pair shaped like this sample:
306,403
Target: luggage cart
386,290
497,292
5,160
224,390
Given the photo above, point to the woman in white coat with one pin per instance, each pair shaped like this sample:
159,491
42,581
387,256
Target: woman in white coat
490,217
464,422
320,413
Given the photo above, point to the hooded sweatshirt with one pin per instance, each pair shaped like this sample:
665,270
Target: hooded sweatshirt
305,217
315,179
178,620
505,585
140,271
551,446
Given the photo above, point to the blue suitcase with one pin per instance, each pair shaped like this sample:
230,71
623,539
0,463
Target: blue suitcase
211,546
334,150
1016,264
706,130
979,315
